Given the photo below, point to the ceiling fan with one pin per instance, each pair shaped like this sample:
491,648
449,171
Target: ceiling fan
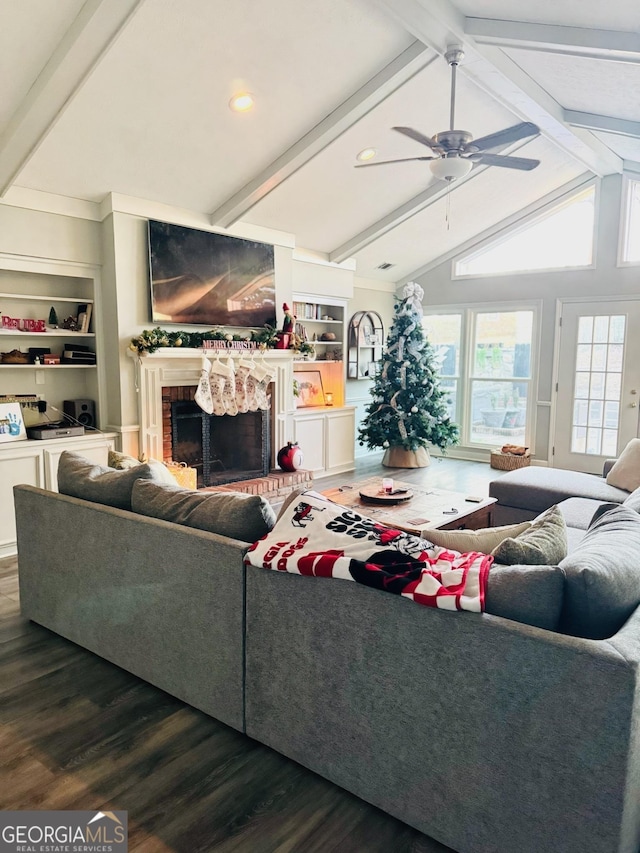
455,152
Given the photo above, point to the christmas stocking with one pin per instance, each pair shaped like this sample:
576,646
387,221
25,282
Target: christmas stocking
203,392
218,378
242,374
229,390
254,376
262,388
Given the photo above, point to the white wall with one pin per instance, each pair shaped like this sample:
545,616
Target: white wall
605,279
36,234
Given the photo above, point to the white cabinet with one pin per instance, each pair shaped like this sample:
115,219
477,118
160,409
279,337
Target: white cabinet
36,464
326,438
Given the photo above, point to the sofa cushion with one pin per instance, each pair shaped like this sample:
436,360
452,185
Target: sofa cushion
633,501
483,540
578,512
529,594
603,576
81,478
543,544
625,474
233,514
537,488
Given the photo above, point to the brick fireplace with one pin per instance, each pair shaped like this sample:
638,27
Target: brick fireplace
222,448
173,373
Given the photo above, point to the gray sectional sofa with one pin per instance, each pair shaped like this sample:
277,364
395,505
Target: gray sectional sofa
525,493
489,735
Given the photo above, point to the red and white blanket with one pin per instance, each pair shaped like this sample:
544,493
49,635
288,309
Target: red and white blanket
315,536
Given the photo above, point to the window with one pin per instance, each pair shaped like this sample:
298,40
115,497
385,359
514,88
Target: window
560,237
443,332
491,392
597,385
631,239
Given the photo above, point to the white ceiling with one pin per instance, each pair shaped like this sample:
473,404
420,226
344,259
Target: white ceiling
131,97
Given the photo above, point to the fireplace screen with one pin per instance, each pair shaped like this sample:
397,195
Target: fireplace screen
222,448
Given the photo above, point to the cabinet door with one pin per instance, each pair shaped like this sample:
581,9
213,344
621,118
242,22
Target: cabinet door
96,450
339,441
19,464
309,433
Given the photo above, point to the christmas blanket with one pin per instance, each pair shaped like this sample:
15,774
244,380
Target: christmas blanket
314,536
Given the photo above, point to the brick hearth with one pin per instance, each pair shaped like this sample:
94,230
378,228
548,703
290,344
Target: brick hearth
277,485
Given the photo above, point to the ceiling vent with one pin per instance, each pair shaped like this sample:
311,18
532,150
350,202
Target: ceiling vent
385,266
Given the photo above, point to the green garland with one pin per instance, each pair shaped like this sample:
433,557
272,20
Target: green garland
152,339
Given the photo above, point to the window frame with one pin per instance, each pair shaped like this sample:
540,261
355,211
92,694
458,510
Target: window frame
625,215
503,234
465,379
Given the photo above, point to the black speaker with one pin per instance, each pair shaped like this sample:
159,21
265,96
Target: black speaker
81,411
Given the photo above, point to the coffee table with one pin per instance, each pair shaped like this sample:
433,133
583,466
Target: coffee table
428,508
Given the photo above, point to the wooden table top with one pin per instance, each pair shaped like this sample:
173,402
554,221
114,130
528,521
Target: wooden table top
428,508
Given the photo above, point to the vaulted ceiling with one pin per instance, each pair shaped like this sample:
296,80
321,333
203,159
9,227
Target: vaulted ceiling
132,97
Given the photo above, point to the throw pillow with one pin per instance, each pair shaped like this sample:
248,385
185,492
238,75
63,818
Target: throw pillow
483,540
529,594
543,544
233,514
122,462
602,588
625,474
82,478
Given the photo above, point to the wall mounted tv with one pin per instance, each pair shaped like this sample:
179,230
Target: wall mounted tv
206,279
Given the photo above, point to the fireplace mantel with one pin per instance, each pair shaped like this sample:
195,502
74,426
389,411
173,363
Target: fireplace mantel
170,366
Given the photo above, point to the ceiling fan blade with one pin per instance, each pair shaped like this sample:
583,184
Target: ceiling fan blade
504,137
525,164
418,137
385,162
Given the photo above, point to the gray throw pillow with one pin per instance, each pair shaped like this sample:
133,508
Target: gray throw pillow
529,594
543,544
82,478
603,576
232,514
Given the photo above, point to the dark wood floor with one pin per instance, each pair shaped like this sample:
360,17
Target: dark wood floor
79,733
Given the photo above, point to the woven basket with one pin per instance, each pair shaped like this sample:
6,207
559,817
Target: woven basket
183,475
509,462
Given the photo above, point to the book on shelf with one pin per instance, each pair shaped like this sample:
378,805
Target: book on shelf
85,309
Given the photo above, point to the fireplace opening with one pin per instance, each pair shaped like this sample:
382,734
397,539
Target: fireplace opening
222,448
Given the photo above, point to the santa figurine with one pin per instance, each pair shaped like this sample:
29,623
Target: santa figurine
289,319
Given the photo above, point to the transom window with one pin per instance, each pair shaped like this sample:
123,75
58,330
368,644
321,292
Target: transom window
561,237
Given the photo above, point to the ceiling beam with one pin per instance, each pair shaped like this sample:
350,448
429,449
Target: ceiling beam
433,193
609,124
437,23
599,44
92,32
412,60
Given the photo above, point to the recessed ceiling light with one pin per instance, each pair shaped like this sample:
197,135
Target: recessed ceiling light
242,102
367,154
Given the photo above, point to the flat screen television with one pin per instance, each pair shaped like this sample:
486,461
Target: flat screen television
206,279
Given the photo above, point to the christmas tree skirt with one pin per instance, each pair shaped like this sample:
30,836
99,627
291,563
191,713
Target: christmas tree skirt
398,457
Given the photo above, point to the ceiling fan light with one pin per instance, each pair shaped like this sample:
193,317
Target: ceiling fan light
450,168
